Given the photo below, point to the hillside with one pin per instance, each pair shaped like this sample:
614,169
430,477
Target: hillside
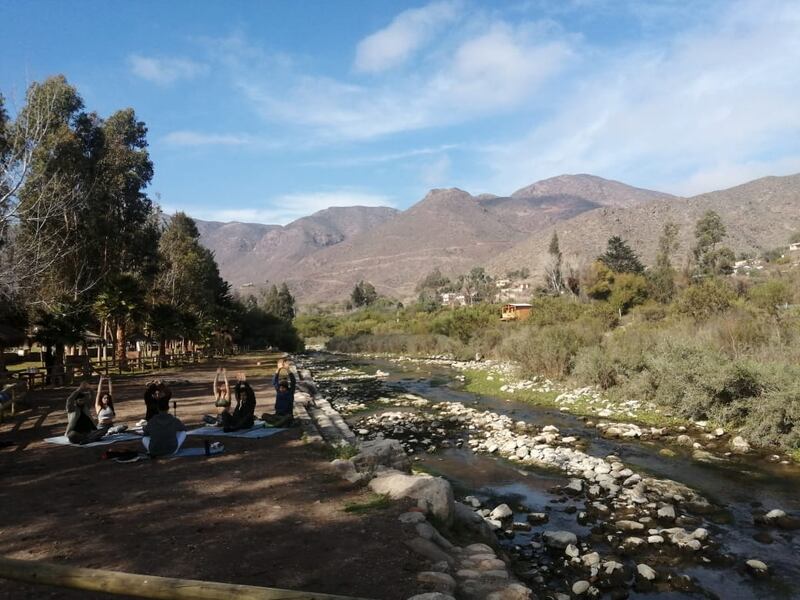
454,231
252,252
758,215
322,256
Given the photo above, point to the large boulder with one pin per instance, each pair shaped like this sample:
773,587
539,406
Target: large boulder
375,454
434,494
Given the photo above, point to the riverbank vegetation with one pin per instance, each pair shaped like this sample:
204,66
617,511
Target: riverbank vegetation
86,254
701,343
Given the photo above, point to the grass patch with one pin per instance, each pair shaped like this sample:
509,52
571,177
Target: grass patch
344,452
477,382
373,502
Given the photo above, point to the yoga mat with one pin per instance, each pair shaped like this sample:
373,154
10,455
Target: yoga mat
255,433
62,440
183,452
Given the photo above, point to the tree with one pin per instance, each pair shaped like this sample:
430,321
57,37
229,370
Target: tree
710,260
627,291
554,280
620,258
478,286
165,323
662,276
772,296
279,302
121,303
363,294
49,180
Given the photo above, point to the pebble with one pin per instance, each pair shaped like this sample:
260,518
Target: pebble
581,587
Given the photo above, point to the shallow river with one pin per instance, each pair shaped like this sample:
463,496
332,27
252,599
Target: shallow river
737,486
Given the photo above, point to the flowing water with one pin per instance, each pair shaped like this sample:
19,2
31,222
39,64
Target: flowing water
735,486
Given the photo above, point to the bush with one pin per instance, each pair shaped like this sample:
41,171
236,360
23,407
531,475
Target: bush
595,367
702,300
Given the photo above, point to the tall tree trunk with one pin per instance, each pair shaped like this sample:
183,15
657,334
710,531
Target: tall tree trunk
121,348
162,352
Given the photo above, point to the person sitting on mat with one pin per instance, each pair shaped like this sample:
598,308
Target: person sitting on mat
243,415
164,433
284,405
80,426
283,374
153,393
222,391
104,404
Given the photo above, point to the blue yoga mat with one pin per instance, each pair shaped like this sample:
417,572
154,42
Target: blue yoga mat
252,434
62,440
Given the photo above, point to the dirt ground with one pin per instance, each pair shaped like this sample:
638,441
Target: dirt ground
266,512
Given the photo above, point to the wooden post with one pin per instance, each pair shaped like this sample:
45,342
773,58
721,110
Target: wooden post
143,586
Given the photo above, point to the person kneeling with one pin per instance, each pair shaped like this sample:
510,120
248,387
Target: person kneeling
243,415
164,433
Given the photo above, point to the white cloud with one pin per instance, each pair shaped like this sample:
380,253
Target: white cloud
289,207
165,71
407,33
493,71
198,138
708,109
436,173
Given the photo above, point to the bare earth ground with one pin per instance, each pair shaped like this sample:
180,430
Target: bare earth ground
266,512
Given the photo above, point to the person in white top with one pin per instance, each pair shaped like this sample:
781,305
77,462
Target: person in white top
104,404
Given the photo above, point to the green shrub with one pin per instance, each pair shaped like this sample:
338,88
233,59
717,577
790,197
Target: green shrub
702,300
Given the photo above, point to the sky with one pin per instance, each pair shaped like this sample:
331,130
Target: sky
266,111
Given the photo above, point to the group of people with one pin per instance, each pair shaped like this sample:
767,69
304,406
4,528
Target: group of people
164,433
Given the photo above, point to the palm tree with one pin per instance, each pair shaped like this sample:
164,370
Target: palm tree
121,303
163,322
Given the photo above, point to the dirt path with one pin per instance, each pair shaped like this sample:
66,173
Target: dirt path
266,512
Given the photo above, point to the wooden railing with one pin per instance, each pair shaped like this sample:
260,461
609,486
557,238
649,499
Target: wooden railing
71,374
144,586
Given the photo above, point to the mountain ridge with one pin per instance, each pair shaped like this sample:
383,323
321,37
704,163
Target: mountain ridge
323,255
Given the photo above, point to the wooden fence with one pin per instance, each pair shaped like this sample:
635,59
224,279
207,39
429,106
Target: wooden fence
71,374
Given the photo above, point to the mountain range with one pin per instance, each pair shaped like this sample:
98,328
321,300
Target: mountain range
323,255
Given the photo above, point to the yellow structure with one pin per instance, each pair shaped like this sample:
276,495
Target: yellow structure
516,312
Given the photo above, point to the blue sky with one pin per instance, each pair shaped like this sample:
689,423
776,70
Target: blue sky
267,111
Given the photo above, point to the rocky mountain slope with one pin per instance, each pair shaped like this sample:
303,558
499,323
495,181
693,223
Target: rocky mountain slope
252,252
758,215
322,256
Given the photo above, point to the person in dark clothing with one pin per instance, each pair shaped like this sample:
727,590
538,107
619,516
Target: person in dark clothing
243,414
284,404
154,392
80,425
164,433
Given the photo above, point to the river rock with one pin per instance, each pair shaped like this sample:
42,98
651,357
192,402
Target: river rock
441,582
411,517
646,572
757,567
666,513
432,596
740,445
591,560
432,493
501,512
381,453
429,550
575,486
629,525
559,539
537,518
581,587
